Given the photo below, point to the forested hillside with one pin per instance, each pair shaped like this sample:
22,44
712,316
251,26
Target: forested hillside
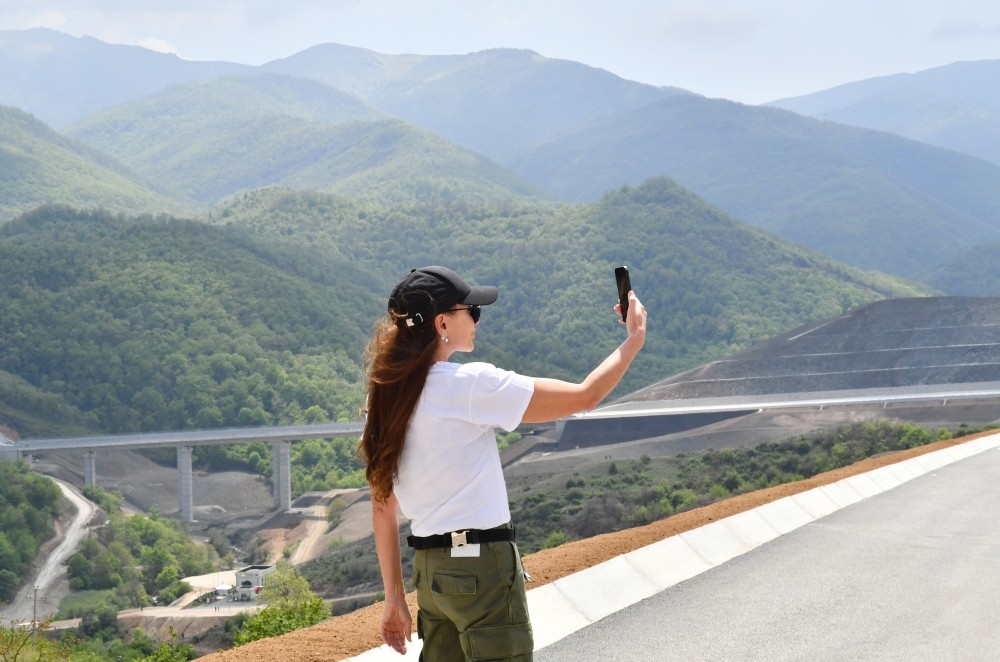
458,125
956,106
162,324
869,199
975,272
42,71
712,284
29,504
212,139
494,101
38,165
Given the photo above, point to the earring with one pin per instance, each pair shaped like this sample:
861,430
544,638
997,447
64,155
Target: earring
444,337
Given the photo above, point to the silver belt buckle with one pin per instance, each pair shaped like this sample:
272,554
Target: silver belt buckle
459,539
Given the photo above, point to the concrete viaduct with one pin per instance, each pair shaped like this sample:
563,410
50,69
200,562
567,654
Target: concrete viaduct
614,423
279,437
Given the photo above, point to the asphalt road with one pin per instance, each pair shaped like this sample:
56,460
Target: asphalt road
911,574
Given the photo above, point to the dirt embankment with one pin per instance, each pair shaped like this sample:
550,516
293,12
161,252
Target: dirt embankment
349,635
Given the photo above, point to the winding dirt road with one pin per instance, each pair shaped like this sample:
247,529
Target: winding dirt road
53,570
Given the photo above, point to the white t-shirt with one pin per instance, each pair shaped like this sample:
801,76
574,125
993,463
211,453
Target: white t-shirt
450,476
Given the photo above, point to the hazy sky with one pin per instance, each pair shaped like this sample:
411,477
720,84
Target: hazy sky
747,50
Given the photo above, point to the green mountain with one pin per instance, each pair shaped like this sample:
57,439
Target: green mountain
493,102
956,106
578,132
866,198
39,166
25,407
972,273
29,506
212,139
711,282
571,130
156,127
62,79
159,324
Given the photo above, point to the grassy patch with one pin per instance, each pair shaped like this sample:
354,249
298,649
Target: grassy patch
80,603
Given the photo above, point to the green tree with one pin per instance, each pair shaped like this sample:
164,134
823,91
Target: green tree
334,513
9,583
171,651
29,503
554,539
290,605
20,644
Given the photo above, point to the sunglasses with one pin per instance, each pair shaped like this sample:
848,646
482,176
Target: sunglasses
474,311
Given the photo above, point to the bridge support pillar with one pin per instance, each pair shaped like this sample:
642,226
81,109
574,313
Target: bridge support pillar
560,428
282,474
89,467
186,483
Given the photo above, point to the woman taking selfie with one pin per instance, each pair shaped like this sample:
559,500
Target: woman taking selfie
430,448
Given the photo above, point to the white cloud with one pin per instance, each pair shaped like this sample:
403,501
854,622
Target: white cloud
51,19
158,45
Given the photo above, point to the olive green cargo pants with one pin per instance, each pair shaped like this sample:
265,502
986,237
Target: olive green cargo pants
472,608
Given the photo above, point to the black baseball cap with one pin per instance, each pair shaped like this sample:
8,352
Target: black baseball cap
426,291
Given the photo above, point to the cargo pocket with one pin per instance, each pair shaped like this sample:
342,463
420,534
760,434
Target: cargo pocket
500,643
446,584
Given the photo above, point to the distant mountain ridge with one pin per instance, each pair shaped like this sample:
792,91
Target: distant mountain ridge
830,187
62,79
956,106
211,139
505,122
255,318
492,101
39,166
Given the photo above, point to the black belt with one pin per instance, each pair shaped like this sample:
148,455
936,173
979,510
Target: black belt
462,538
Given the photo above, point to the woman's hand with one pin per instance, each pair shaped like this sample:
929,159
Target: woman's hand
636,323
397,625
554,399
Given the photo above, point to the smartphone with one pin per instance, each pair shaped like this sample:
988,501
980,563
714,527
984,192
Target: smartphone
624,286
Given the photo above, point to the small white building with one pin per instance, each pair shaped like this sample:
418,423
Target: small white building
249,581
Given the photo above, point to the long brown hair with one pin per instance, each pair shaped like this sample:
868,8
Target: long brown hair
397,361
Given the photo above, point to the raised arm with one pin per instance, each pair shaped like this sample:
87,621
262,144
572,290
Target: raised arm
397,623
554,399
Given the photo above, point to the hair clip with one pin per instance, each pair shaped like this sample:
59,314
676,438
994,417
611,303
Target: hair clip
418,317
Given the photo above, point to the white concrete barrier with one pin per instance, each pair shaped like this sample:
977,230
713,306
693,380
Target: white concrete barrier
553,616
751,528
931,461
906,470
668,562
817,502
884,478
841,494
863,484
784,515
715,543
606,588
